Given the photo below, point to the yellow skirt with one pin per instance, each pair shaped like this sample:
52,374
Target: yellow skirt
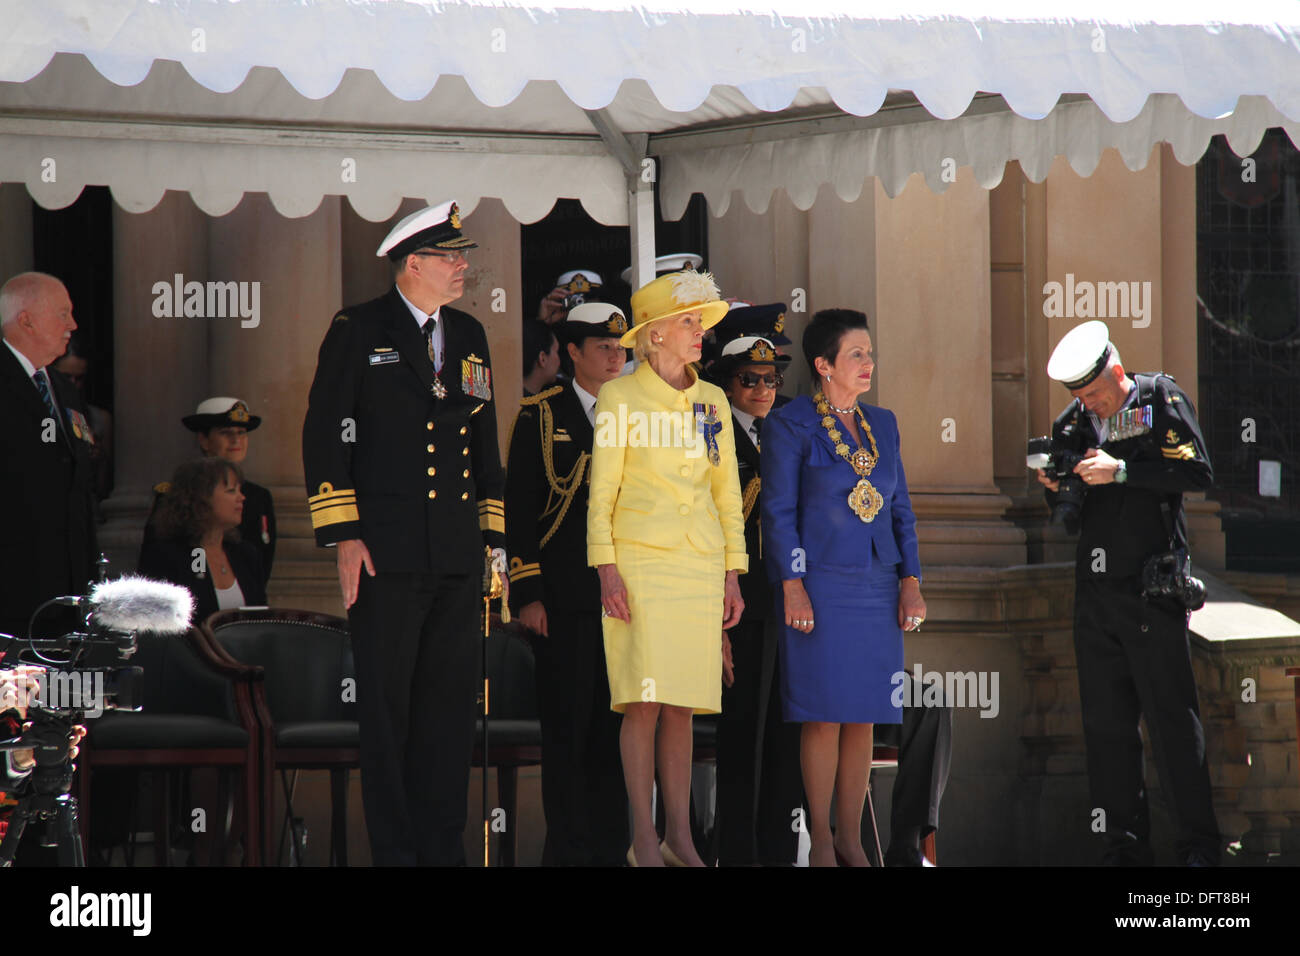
671,652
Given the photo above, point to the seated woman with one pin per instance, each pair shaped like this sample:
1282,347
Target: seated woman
197,541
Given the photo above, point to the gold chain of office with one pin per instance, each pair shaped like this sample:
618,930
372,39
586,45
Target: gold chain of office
864,500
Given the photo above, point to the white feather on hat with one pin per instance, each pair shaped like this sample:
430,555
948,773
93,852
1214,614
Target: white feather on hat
692,288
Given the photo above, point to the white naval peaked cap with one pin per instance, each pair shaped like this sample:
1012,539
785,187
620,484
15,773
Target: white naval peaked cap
435,227
1081,355
593,279
594,319
597,313
669,262
216,406
745,343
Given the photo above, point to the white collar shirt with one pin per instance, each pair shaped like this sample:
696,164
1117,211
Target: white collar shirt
746,421
438,334
587,401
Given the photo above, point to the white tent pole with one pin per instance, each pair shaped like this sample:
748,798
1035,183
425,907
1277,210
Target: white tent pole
640,172
641,221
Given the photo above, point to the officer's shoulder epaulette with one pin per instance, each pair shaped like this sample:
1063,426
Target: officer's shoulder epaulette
162,487
542,395
1166,387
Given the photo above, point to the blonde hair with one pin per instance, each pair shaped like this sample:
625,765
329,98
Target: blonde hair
644,346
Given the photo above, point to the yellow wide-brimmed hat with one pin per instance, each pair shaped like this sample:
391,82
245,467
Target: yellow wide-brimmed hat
673,294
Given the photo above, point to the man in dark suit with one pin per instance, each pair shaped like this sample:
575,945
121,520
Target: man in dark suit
760,790
47,540
557,596
404,479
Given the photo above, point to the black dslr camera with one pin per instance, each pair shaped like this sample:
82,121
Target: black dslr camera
1058,457
1169,575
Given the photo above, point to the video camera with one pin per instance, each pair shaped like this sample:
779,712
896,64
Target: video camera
85,674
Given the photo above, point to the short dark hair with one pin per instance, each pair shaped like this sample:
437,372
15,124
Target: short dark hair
186,508
826,330
538,337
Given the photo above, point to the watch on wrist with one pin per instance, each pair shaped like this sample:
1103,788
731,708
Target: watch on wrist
1121,471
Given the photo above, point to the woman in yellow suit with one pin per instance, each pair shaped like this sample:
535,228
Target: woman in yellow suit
665,531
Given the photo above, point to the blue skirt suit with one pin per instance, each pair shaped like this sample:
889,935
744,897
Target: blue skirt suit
843,670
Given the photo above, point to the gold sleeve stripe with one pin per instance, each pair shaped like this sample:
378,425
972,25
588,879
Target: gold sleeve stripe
335,514
491,522
333,502
331,495
492,504
1185,452
519,572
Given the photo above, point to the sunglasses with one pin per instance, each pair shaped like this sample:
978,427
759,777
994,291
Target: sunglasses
773,380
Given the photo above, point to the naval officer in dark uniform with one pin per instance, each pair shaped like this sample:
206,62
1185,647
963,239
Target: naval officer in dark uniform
760,789
221,426
557,596
404,479
1142,449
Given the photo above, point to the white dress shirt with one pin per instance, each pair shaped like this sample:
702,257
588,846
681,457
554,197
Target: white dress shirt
746,421
587,400
438,335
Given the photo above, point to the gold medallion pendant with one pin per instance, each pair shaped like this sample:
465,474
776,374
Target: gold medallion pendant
866,501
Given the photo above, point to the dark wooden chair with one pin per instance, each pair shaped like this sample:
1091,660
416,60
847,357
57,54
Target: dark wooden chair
197,713
306,714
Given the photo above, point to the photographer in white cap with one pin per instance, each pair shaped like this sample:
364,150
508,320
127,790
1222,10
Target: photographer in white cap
1122,455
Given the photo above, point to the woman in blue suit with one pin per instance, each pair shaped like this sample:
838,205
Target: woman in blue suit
840,537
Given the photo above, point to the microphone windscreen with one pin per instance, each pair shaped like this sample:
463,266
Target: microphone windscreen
139,604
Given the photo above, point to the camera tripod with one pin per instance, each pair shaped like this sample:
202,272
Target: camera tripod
45,794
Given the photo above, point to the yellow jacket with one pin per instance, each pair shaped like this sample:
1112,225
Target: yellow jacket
651,479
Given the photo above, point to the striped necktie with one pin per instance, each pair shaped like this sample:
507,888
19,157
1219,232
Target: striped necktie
43,387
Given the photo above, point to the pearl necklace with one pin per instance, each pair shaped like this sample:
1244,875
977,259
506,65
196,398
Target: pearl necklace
836,408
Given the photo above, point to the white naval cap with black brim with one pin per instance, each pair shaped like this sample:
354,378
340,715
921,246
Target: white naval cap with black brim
433,227
1081,355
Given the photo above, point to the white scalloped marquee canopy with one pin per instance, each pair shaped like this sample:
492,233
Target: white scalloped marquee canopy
220,98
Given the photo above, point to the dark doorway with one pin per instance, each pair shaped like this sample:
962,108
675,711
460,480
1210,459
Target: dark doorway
568,239
75,244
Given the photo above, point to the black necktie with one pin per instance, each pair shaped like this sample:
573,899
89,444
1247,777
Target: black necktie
758,431
429,328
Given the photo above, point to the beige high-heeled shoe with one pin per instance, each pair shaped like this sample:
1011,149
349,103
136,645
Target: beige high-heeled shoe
670,858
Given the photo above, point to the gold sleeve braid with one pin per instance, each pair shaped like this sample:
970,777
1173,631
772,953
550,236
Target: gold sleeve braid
562,490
